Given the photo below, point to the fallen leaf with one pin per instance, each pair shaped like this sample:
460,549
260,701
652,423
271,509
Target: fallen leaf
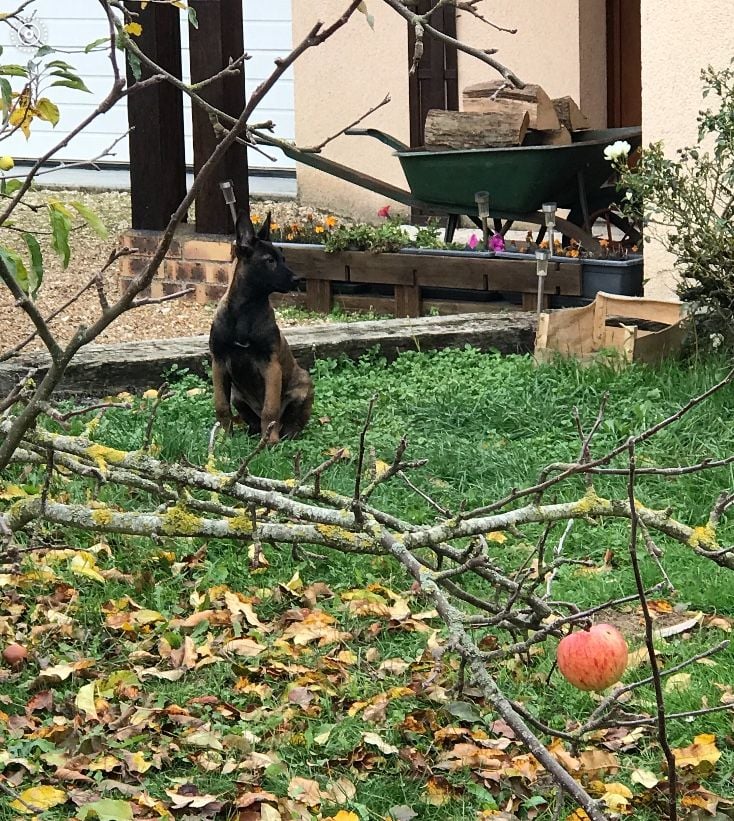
374,740
701,756
244,647
84,564
305,790
36,799
646,778
677,683
84,701
107,809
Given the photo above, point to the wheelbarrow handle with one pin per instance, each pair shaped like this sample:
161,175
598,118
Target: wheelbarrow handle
388,139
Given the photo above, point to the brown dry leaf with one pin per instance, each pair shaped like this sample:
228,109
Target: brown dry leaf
395,667
719,622
597,762
315,626
244,647
438,791
702,799
558,750
701,756
306,791
238,606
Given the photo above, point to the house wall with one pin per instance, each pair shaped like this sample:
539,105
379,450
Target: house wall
678,40
335,84
564,51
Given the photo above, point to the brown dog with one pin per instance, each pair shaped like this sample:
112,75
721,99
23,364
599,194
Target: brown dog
252,366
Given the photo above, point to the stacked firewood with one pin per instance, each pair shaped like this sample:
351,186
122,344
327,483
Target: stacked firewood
497,114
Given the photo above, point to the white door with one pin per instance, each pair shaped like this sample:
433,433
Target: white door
70,26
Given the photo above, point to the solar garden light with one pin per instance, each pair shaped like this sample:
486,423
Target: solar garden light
228,194
541,267
482,200
549,212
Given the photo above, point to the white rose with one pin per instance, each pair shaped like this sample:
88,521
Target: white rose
617,150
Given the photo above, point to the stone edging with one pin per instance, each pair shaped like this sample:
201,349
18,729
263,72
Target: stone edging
100,370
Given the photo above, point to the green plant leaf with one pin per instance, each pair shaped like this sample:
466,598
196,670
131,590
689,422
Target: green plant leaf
14,71
193,19
76,83
44,50
60,227
35,277
134,63
6,91
92,220
93,45
11,186
48,111
16,268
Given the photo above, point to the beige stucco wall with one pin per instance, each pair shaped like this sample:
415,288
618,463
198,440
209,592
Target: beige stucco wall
561,46
678,40
335,84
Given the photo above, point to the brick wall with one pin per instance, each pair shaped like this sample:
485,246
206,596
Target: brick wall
201,261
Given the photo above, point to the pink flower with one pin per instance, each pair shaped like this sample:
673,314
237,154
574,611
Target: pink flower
473,241
497,243
384,211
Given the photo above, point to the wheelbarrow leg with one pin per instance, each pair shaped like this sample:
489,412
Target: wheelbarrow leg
583,201
451,222
498,226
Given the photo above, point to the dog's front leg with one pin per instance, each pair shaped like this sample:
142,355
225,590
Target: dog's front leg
222,395
271,403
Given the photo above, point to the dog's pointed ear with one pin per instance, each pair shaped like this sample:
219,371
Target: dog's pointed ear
244,234
264,232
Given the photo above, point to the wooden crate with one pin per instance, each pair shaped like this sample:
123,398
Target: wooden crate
642,330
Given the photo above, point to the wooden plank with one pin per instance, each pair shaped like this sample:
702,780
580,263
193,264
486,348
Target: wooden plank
656,310
463,272
314,263
448,307
155,115
517,275
364,303
217,40
388,269
407,300
318,295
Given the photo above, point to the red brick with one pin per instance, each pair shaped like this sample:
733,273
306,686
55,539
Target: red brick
208,250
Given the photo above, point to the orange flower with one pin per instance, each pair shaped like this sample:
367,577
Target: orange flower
319,229
274,226
544,244
604,243
289,237
331,221
573,252
256,219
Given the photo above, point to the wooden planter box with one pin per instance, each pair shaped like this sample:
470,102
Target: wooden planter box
411,282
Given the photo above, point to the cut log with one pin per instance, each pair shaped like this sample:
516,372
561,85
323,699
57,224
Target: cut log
570,115
561,136
483,96
459,129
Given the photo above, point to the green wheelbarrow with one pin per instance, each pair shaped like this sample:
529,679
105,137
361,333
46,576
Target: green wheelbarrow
519,179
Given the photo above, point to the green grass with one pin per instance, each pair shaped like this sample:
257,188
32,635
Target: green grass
485,424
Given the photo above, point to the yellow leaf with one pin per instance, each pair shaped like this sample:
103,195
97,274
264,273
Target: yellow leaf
496,536
578,814
702,755
39,799
46,110
381,468
12,492
84,701
84,564
678,683
134,29
343,815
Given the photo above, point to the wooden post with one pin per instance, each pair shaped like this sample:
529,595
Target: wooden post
218,39
155,115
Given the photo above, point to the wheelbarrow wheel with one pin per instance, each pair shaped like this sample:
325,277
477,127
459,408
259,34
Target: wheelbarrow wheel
606,218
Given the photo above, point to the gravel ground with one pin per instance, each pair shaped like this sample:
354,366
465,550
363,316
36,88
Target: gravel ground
89,254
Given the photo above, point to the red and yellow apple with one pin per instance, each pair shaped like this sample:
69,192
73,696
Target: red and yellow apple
593,659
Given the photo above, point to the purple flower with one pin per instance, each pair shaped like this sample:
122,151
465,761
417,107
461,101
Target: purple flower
497,242
473,241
